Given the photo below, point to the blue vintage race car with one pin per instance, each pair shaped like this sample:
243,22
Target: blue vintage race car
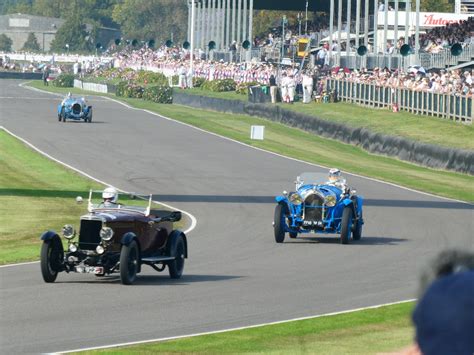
74,108
318,206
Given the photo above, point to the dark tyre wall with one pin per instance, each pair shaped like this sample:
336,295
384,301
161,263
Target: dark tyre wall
17,75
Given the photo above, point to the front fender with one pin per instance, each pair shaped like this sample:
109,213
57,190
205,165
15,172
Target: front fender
173,239
347,202
281,199
49,235
127,238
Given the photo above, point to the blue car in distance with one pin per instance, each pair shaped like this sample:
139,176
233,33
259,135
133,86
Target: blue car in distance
74,108
319,206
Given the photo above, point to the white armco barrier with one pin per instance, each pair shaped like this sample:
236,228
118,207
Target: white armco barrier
95,87
91,86
63,58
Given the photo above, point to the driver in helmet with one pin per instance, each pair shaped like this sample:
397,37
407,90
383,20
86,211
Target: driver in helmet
68,96
335,178
110,197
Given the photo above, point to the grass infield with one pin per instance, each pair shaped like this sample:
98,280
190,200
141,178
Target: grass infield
36,194
421,128
372,331
296,143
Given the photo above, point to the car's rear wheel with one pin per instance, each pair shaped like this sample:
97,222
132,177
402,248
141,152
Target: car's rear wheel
293,235
346,224
279,223
129,259
357,232
89,118
52,257
178,251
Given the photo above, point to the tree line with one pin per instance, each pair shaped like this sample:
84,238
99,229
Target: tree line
139,20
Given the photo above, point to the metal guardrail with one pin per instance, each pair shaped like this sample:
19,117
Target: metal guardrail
456,108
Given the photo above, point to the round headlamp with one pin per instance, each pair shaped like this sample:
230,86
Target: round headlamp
72,248
330,201
68,231
106,233
295,198
100,249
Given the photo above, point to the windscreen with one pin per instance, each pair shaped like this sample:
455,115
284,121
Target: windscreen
312,178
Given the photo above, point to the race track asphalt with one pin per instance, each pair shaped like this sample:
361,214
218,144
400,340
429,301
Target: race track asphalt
236,275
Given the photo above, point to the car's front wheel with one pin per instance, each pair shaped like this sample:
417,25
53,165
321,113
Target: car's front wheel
178,251
129,260
357,232
52,256
279,223
63,115
346,225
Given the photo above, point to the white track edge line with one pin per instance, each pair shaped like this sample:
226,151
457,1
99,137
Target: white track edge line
191,217
237,328
270,152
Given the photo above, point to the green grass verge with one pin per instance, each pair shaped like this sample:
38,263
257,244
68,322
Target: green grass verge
311,148
36,194
420,128
372,331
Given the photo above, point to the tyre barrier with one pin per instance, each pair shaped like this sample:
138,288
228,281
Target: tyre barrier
20,75
429,155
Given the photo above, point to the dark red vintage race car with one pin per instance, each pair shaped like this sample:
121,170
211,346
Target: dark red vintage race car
116,238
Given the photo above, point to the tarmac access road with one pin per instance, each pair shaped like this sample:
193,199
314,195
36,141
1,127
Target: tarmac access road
236,274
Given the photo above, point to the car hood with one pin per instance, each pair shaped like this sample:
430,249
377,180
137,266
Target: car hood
115,216
324,190
72,101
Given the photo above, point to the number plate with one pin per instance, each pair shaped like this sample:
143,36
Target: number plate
90,269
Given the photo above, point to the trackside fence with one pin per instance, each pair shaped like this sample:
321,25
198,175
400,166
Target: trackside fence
91,86
456,108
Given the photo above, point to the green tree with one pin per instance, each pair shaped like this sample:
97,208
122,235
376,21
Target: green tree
15,6
73,33
31,44
437,5
5,43
157,19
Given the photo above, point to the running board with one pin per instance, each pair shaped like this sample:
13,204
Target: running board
157,259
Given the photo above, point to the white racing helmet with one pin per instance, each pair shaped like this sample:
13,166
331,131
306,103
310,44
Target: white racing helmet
334,175
110,194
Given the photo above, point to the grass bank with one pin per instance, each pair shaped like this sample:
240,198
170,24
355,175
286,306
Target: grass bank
421,128
372,331
36,194
311,148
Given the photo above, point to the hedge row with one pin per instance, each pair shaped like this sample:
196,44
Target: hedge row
162,94
64,81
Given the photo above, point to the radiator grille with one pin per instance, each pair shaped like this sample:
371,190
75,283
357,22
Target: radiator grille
313,208
89,236
76,109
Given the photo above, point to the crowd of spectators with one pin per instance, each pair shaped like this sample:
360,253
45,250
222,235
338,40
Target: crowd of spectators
439,38
173,61
456,82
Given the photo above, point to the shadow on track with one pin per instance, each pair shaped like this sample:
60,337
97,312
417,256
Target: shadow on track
153,280
271,200
366,240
